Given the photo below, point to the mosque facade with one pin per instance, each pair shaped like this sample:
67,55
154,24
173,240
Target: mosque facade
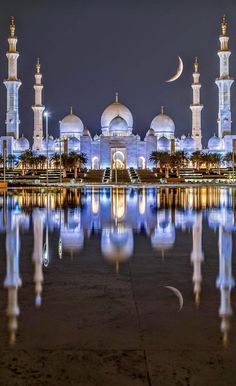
116,146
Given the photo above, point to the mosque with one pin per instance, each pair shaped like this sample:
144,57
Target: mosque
116,146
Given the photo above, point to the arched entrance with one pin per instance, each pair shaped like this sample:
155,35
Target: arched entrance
118,159
141,163
95,163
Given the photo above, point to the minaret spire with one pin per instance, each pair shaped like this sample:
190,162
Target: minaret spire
196,107
12,84
38,109
224,83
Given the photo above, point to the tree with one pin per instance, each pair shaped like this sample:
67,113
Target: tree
26,159
56,160
163,159
197,159
178,160
11,158
42,160
1,160
228,158
216,160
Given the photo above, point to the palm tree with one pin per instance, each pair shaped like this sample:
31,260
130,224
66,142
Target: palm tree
42,159
26,159
216,161
1,160
56,160
228,158
83,159
197,159
178,160
163,159
11,158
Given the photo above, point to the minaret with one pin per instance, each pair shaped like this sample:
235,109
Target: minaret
38,109
12,84
196,108
197,257
225,281
38,255
12,281
224,83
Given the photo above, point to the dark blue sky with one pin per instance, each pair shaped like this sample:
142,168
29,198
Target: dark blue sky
90,49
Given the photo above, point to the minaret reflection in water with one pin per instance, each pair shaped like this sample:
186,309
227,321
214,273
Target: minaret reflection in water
38,254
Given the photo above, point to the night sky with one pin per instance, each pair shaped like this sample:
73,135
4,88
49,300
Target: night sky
91,49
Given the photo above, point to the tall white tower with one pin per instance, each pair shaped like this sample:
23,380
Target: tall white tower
196,108
224,83
12,84
38,109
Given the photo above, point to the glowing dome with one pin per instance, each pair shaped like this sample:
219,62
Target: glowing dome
189,143
51,143
214,143
86,132
150,133
71,126
163,236
22,144
163,144
163,125
118,126
117,243
114,110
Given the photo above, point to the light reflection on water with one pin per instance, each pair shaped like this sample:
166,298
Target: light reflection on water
116,215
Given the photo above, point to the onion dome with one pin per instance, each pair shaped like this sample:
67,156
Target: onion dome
114,110
71,126
51,143
163,144
22,144
117,243
163,236
86,132
163,125
150,133
74,144
189,144
72,239
214,143
118,126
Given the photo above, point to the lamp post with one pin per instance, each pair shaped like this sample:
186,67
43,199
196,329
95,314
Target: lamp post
46,121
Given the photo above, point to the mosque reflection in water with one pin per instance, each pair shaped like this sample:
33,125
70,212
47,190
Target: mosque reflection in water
116,215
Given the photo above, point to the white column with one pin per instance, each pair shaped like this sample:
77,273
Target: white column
196,108
224,83
197,257
12,84
225,281
38,109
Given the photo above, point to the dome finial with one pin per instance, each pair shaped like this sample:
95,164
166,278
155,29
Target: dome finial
71,110
196,64
224,26
117,97
12,27
162,109
38,65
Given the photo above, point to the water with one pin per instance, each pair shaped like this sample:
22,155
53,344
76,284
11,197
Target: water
83,298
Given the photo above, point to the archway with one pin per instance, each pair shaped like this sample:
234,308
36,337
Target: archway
95,163
141,162
118,160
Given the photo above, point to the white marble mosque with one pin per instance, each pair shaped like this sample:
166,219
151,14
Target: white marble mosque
117,146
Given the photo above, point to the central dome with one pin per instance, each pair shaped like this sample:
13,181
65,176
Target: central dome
71,126
118,126
163,125
115,110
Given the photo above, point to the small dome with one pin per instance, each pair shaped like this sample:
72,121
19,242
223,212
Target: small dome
71,126
114,110
86,132
214,143
150,133
163,144
74,144
189,143
51,143
118,125
22,144
163,124
163,237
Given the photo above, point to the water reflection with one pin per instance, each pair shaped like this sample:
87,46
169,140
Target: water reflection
117,217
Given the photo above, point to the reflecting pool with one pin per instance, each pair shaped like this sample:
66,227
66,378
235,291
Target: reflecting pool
83,296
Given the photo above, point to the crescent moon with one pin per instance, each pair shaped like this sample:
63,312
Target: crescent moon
178,294
179,71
